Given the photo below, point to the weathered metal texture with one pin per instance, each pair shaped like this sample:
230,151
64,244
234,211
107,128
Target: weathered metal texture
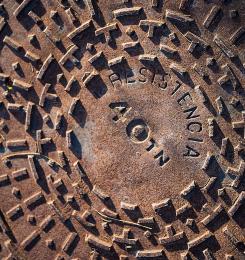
122,129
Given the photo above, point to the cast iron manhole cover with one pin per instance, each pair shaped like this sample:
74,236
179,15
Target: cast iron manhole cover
122,129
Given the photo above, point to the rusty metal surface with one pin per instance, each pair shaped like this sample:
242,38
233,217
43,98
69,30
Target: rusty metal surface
122,129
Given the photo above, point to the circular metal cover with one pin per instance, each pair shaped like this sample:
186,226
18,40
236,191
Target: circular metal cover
122,129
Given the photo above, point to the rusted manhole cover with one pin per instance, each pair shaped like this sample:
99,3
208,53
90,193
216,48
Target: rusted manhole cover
122,129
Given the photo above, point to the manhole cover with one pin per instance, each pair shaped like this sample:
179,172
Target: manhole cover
122,129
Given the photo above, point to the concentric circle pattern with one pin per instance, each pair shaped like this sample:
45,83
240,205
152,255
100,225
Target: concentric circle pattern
122,127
